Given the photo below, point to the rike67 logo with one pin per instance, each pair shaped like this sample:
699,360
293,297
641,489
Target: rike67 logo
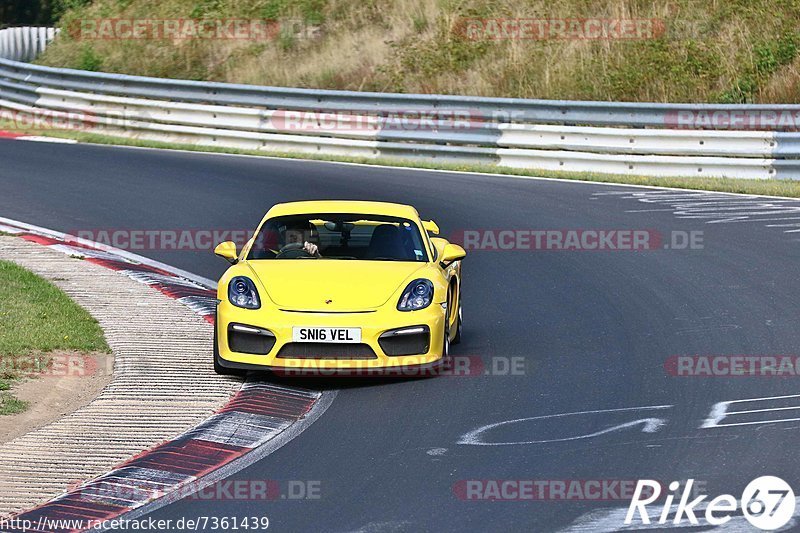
767,502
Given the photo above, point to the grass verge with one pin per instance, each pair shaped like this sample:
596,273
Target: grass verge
695,51
36,317
790,189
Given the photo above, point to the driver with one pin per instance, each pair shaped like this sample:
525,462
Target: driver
300,233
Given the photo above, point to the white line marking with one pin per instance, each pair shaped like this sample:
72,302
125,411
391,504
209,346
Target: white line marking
785,225
731,413
719,411
764,398
651,425
756,423
40,139
715,209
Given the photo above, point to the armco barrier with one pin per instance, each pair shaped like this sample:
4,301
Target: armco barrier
24,44
621,138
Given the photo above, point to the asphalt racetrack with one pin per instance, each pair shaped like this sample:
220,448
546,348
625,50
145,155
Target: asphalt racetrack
575,350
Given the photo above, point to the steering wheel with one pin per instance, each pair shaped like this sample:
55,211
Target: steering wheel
293,251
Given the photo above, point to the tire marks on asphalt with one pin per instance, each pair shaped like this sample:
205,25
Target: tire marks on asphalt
716,208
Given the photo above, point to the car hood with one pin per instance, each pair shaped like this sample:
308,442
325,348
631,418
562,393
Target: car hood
330,284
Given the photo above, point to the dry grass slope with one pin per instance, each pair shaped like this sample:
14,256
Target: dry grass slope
712,50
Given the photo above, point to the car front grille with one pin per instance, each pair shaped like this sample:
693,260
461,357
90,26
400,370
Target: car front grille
323,350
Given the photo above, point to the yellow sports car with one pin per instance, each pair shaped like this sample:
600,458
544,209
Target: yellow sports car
339,286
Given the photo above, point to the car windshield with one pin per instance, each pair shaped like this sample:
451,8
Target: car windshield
339,236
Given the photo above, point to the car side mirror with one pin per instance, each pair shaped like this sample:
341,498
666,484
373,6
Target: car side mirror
227,250
452,252
438,246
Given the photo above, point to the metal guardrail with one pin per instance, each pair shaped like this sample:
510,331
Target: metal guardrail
621,138
24,44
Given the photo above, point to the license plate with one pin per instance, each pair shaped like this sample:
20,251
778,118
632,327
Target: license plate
335,335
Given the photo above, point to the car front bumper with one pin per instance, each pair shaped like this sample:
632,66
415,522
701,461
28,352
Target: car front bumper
373,324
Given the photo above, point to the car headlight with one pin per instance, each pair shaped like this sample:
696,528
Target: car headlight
242,293
418,295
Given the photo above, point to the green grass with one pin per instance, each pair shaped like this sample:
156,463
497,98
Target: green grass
10,405
36,317
785,188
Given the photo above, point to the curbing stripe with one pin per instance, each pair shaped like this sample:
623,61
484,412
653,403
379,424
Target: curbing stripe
35,138
78,244
106,431
259,419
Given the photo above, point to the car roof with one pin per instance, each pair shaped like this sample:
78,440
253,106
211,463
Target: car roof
343,206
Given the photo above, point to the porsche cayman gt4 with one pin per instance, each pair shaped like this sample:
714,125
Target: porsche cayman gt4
339,286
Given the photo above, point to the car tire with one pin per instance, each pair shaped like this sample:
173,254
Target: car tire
218,368
459,323
446,359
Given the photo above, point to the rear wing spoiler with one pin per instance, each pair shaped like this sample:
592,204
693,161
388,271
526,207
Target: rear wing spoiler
430,226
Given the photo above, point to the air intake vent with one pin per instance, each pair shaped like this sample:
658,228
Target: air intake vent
322,350
250,339
406,341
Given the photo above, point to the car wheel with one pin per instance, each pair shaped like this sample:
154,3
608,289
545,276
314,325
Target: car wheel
459,323
218,368
446,343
